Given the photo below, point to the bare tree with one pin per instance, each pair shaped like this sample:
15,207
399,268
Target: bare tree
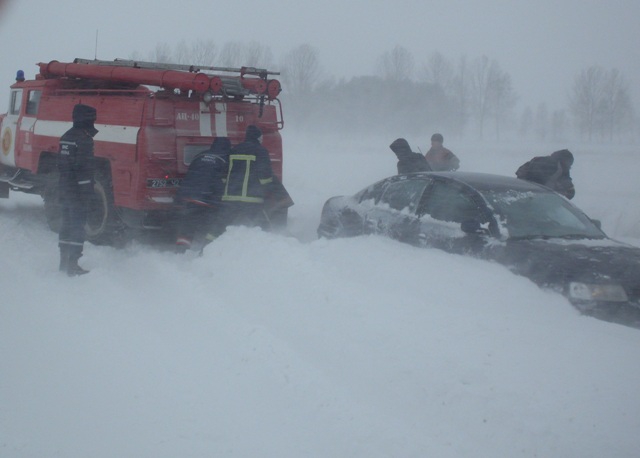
439,71
586,98
492,93
182,53
502,98
200,52
461,95
601,102
136,55
481,80
300,69
616,104
258,55
232,54
161,53
397,64
204,52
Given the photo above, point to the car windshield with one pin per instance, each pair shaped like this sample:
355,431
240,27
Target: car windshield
540,215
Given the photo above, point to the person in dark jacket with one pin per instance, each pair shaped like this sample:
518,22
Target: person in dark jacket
200,193
249,180
408,161
440,158
552,171
75,185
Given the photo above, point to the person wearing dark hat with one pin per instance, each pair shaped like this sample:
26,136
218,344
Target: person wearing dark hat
75,186
552,171
440,158
249,179
199,195
408,161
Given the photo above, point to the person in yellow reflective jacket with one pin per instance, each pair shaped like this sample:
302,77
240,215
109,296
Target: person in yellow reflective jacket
248,180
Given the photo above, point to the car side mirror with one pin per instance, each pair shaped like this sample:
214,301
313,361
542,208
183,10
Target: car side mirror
598,223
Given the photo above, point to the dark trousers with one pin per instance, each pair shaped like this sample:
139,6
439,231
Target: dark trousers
198,223
72,232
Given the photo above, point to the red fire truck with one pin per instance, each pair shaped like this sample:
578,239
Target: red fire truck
152,120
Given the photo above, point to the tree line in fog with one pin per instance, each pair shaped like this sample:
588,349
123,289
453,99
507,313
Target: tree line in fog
466,98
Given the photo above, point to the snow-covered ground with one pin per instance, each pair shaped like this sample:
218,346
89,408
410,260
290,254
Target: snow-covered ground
288,346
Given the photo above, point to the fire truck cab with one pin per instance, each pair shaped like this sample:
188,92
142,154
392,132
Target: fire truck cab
153,119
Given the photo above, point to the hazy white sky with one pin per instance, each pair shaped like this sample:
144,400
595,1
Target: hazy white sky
542,44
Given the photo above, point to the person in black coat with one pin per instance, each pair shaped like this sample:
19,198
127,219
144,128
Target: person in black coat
249,180
200,193
552,171
76,178
408,161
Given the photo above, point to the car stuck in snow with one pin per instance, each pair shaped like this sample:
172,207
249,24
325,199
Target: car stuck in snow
527,227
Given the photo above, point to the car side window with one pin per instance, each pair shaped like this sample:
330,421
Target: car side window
449,202
373,192
404,194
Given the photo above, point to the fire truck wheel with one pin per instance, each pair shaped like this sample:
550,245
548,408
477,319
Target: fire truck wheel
103,224
52,210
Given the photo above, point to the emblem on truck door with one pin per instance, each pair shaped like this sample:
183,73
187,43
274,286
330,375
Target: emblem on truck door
6,141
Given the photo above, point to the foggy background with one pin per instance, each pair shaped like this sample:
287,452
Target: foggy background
352,347
492,70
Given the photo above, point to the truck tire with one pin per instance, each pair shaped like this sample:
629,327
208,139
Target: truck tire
104,226
51,199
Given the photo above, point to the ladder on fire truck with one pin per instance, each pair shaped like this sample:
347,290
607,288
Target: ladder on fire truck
181,67
231,85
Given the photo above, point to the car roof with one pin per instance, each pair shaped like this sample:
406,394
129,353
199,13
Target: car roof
485,181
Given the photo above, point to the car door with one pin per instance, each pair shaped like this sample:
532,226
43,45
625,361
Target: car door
454,217
395,213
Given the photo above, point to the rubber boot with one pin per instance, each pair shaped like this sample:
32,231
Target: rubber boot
73,269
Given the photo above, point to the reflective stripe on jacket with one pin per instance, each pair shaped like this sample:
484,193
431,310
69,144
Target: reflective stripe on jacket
249,174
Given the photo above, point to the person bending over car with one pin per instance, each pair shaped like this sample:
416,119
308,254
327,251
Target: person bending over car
408,161
552,171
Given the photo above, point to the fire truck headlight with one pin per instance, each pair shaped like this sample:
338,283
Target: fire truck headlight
207,97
